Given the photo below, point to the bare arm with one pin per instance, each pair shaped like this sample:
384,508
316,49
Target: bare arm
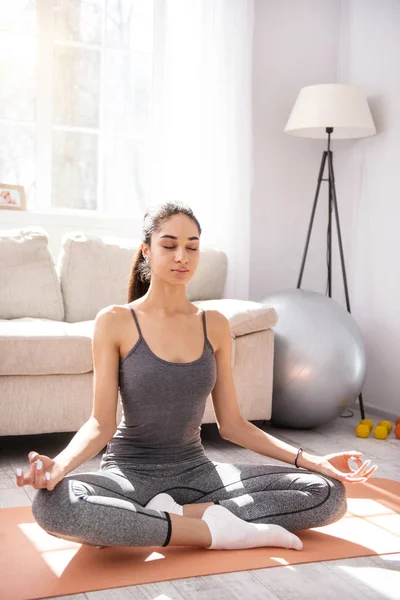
86,443
101,425
253,438
235,428
231,424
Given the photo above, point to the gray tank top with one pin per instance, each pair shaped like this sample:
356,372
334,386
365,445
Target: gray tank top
163,405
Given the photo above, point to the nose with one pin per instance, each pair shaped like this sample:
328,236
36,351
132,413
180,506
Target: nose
181,256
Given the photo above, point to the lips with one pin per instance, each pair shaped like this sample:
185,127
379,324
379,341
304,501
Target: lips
181,270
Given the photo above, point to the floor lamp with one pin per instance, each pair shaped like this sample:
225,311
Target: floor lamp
330,111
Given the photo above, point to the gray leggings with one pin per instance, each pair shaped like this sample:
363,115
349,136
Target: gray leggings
106,507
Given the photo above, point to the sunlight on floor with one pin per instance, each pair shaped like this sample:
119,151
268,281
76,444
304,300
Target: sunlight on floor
154,556
45,542
56,553
283,562
367,507
385,582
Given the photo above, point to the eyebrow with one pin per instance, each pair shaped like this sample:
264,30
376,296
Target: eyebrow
173,237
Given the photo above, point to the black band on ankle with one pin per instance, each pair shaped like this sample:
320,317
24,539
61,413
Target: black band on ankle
169,532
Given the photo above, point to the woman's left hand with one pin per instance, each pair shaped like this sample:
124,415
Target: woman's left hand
337,466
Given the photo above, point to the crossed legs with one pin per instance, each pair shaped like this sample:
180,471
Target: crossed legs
107,508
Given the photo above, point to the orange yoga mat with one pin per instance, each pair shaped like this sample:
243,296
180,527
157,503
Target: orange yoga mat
34,564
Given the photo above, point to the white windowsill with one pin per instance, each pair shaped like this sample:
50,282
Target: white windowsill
58,222
67,217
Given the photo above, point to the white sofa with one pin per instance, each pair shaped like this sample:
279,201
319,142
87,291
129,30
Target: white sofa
47,311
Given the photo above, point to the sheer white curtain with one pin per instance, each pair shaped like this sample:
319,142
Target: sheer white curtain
201,139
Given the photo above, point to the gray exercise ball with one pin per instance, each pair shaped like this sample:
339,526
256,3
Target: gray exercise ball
319,359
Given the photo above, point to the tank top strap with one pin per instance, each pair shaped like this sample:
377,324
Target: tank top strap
204,323
140,331
137,322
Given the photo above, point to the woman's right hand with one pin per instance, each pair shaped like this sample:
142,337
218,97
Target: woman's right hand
36,477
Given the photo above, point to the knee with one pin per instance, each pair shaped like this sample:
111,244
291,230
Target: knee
339,499
334,501
41,508
46,508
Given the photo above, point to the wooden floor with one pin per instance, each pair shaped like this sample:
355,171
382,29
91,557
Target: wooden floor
367,578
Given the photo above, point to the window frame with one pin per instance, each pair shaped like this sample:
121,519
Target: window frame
44,125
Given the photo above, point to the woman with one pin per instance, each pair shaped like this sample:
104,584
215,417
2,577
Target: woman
155,485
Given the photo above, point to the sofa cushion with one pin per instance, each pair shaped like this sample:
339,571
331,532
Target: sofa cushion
43,347
28,278
210,277
244,316
94,272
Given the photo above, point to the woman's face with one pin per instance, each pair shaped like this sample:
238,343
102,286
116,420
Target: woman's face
175,247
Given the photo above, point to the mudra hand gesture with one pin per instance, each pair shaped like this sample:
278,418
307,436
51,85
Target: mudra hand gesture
44,472
337,465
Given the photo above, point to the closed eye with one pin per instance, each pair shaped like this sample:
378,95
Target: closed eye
173,247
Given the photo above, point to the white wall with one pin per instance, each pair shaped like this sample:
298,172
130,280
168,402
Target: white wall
295,44
368,174
299,43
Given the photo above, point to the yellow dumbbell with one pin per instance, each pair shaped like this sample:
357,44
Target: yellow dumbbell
367,422
386,424
381,432
363,430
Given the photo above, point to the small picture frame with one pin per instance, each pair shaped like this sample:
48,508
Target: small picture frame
12,197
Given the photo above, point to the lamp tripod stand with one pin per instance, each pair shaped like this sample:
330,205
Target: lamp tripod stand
327,157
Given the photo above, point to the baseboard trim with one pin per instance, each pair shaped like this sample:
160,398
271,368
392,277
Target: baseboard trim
381,413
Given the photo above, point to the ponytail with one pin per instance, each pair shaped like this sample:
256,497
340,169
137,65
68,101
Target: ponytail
139,279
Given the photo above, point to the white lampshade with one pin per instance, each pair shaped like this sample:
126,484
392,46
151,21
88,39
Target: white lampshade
341,106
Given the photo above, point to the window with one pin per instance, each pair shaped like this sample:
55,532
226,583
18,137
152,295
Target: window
75,102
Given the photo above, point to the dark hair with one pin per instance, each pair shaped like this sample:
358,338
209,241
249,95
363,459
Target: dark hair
139,279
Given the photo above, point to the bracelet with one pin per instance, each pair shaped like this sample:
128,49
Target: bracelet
297,456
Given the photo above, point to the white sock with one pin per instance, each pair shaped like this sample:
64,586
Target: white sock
229,532
165,502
